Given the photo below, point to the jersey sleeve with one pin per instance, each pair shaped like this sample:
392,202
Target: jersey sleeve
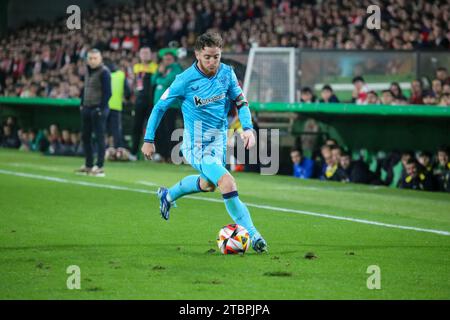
170,96
235,89
236,95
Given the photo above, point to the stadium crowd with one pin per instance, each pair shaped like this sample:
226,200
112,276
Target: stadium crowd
437,94
50,141
406,170
46,59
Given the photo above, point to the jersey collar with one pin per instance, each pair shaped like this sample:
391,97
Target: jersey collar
203,74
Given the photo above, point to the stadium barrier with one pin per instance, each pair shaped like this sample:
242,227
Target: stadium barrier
373,127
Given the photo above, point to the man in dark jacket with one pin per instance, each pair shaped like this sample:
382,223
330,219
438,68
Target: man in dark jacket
442,170
354,171
94,112
416,178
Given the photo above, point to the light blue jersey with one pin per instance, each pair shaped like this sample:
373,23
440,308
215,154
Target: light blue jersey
206,102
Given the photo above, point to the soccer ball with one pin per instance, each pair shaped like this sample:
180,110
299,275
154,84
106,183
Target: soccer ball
233,239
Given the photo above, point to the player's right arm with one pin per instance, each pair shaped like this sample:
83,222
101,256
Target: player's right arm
174,92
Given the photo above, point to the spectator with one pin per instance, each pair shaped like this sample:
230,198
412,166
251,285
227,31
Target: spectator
76,143
54,134
54,139
359,94
425,160
328,95
11,121
442,75
34,136
329,169
440,39
307,96
446,88
436,86
24,142
397,92
429,98
10,138
416,92
331,142
445,100
387,97
372,98
355,171
405,157
66,147
303,167
416,178
336,152
442,170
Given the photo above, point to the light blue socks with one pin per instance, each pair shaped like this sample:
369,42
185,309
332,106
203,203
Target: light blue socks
239,213
187,185
235,207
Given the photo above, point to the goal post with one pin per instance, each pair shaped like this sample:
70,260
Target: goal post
270,75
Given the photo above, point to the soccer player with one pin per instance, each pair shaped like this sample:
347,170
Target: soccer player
206,89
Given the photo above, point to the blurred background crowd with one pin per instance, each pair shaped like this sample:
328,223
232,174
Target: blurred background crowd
44,59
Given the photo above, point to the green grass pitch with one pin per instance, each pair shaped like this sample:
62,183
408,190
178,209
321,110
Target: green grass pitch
110,227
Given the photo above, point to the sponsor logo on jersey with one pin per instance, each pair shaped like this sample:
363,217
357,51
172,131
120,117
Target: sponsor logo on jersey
201,102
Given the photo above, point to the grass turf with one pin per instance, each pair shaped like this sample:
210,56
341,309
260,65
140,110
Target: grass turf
126,251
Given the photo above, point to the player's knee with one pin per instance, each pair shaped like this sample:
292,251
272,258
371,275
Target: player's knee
207,186
227,183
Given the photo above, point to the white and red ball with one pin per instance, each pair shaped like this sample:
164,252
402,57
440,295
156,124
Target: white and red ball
233,239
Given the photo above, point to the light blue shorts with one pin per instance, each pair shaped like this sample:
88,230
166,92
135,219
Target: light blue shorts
210,164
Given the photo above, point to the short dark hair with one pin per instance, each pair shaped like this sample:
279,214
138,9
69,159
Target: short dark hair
443,149
335,147
358,78
327,87
409,153
441,69
425,153
429,93
306,90
333,140
388,91
345,153
300,151
208,39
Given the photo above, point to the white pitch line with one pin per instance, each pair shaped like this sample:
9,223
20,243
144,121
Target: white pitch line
147,183
308,213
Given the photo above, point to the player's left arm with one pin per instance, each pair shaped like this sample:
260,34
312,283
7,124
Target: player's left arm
237,96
